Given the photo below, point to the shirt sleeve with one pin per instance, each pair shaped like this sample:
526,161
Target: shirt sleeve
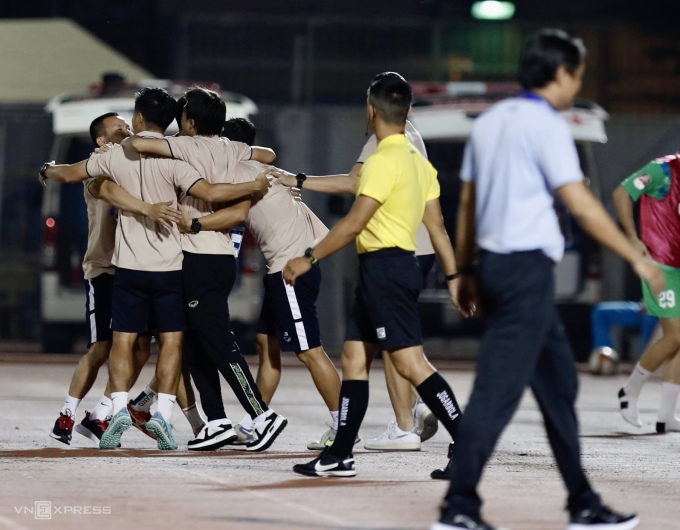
182,147
99,164
239,151
185,176
370,148
414,137
376,179
649,180
557,156
247,172
467,169
435,190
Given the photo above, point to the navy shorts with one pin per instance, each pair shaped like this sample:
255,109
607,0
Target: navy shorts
385,309
98,293
289,311
426,262
141,298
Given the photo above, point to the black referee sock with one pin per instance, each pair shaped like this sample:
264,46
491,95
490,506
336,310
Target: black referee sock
438,396
353,405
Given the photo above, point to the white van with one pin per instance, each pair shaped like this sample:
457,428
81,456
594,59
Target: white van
65,218
444,114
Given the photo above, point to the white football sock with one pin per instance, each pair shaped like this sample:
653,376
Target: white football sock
669,401
144,400
260,418
102,410
193,415
70,406
628,395
247,422
335,414
119,400
165,404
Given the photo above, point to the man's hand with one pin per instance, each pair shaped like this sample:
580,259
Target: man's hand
295,268
285,178
296,194
651,273
103,148
43,180
163,213
263,181
465,294
184,223
639,245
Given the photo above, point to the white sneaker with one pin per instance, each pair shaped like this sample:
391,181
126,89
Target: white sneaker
394,439
215,434
327,440
425,421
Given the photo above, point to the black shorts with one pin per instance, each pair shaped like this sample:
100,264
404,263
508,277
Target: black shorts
426,262
385,309
98,307
143,297
289,312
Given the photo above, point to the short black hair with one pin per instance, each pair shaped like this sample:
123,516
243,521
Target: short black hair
181,103
207,109
156,105
391,96
544,52
240,130
97,126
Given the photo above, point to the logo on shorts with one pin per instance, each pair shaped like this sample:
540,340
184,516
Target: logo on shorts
642,181
381,333
286,337
193,304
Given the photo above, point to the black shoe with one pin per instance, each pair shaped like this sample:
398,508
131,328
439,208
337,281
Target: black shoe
92,429
462,521
213,436
63,429
327,465
443,474
265,432
602,518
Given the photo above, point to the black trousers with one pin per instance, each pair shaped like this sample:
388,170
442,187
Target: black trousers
209,344
524,345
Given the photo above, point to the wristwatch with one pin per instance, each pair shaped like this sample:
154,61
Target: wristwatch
310,256
43,169
301,177
196,226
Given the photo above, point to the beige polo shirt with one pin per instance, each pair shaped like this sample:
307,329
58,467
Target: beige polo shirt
423,242
142,244
101,235
215,158
282,226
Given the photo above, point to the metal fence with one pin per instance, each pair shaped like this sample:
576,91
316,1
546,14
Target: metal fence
321,59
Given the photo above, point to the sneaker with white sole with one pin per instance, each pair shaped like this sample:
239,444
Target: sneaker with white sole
327,465
464,522
425,421
92,429
215,434
243,435
139,419
265,432
394,439
327,439
63,428
120,423
602,518
162,431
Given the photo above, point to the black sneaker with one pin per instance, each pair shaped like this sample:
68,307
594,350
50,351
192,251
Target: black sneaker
63,429
92,429
213,436
327,465
462,521
602,518
265,432
443,474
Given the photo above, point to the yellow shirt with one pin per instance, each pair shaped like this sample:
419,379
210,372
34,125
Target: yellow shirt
402,181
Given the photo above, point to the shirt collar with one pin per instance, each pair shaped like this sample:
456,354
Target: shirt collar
150,134
393,139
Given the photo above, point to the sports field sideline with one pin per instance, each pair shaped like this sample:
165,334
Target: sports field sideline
140,487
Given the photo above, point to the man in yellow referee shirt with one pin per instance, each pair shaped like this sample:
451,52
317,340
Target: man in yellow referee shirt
397,190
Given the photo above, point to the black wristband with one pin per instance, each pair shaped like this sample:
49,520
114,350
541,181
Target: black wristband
300,177
451,277
43,169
